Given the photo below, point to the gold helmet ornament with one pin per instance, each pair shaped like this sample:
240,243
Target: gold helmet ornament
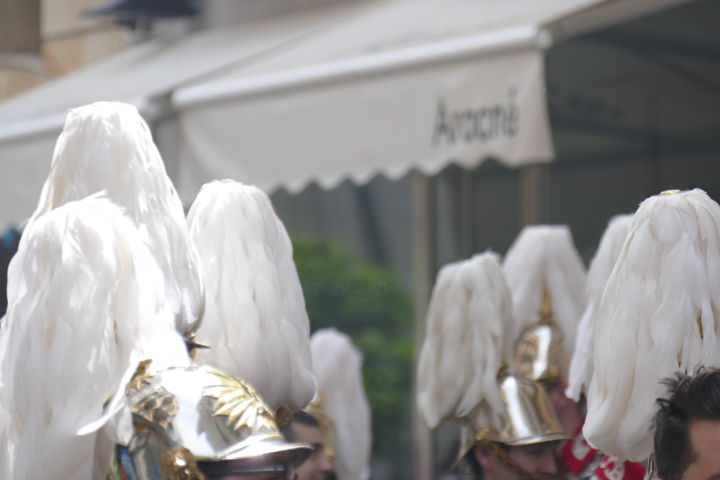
461,370
541,353
197,423
547,280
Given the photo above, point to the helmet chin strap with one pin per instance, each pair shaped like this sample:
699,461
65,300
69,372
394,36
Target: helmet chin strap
496,451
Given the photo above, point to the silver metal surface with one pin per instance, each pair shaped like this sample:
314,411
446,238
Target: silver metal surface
541,354
529,416
183,417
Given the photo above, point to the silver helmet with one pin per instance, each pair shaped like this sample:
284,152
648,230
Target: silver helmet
200,423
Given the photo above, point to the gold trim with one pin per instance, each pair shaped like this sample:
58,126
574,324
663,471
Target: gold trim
177,463
241,404
160,408
140,378
483,435
283,416
546,312
700,327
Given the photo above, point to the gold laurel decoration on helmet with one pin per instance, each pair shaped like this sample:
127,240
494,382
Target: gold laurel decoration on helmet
140,378
159,408
241,404
177,463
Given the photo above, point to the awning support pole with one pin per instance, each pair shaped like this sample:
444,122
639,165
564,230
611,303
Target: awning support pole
423,271
531,193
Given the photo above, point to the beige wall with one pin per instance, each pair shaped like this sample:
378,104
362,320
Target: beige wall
13,82
68,41
65,54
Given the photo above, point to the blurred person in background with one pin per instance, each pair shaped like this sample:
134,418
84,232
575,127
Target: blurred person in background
337,422
305,428
547,279
509,429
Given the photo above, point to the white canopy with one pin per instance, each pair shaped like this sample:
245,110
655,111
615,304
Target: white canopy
408,84
338,92
384,114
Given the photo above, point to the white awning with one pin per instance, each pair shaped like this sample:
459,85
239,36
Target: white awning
361,118
408,84
344,91
31,122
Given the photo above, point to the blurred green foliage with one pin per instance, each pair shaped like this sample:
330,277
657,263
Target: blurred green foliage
372,306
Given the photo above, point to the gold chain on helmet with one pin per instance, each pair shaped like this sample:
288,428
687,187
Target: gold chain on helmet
546,313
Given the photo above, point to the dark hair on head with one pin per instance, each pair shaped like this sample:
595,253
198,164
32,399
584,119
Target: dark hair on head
301,417
690,397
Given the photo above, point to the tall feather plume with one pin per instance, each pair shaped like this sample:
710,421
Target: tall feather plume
544,256
255,319
338,367
108,147
88,304
600,267
658,315
466,341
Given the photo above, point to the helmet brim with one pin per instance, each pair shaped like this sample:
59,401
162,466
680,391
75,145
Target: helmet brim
264,450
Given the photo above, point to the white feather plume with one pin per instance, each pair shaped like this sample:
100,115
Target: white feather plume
598,273
88,303
108,147
255,319
658,315
338,367
544,256
466,342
